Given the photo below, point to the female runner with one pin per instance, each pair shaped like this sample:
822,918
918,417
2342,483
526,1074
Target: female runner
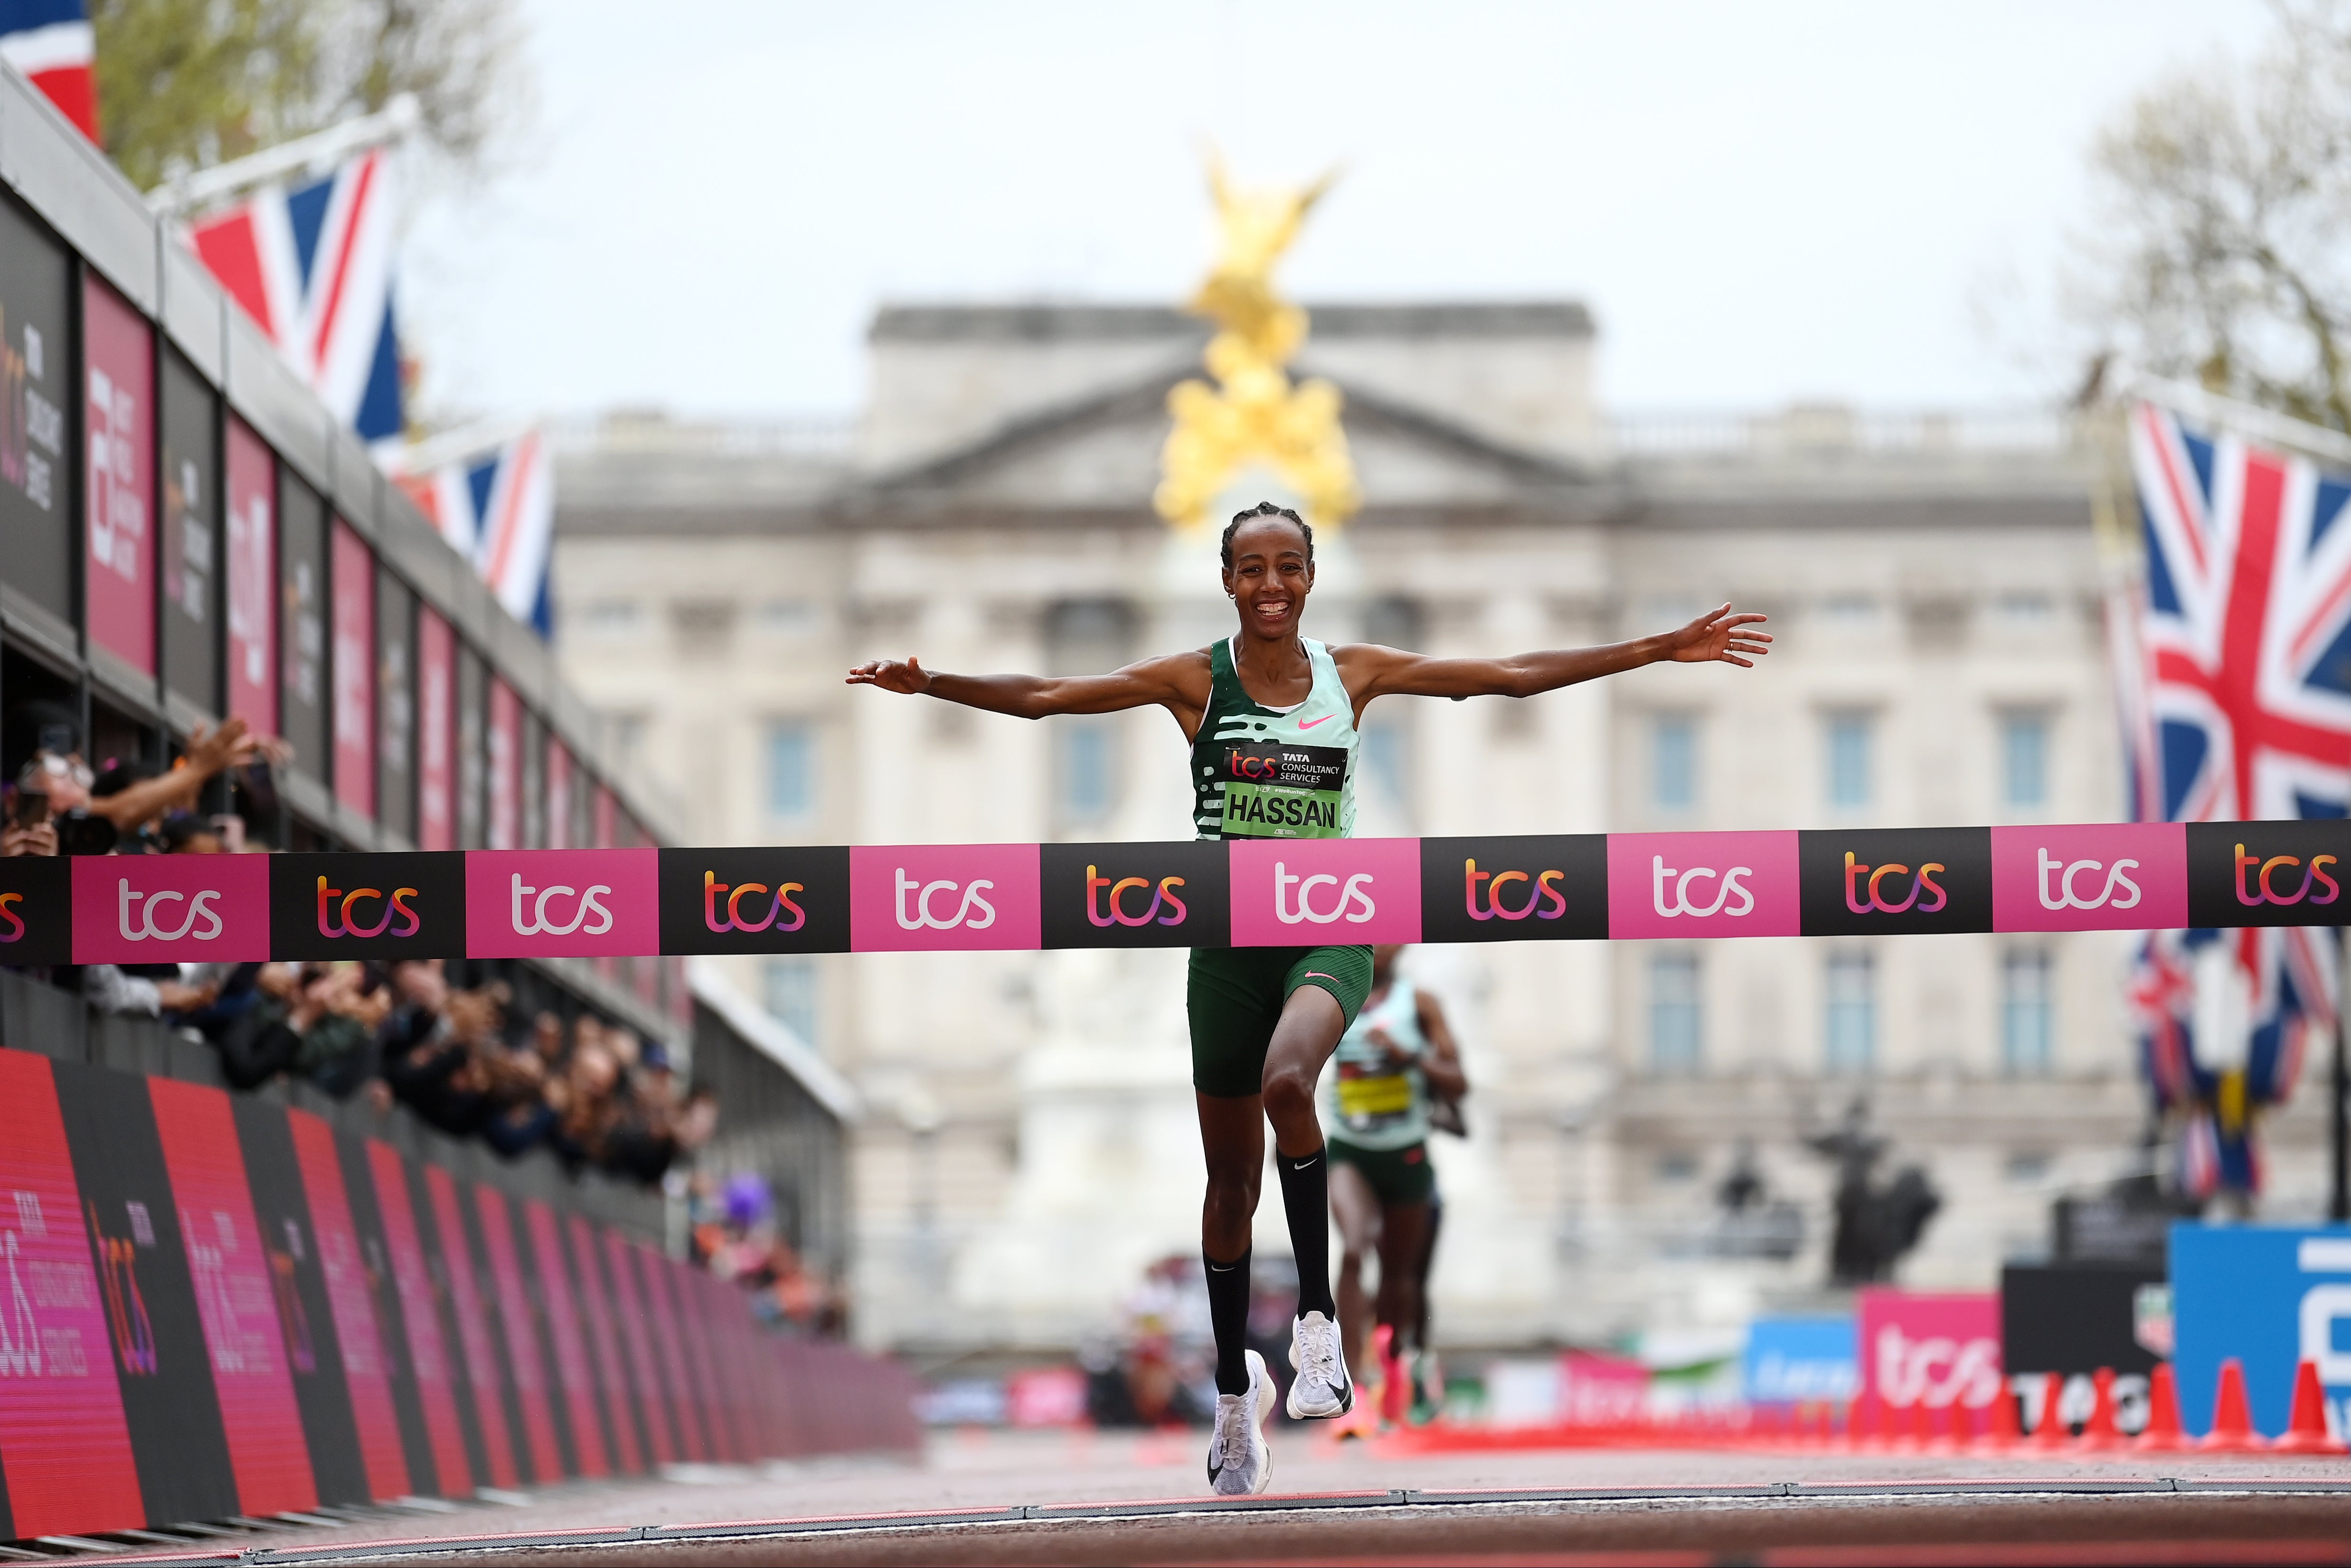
1395,1055
1273,720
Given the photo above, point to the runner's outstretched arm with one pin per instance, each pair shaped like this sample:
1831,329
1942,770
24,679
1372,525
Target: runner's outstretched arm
1177,681
1442,1063
1718,636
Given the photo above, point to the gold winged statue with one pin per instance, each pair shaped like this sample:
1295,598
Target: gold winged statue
1253,413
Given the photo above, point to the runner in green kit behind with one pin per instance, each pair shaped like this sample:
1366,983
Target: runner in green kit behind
1273,721
1375,1105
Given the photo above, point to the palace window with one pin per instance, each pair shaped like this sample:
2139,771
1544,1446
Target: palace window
1850,1017
790,985
1673,762
2024,760
2027,1011
1087,769
1849,738
1676,1023
792,769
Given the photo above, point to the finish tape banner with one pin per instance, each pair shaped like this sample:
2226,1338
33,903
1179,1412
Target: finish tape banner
513,903
213,1305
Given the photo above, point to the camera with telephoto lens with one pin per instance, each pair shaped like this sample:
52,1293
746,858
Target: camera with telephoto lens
82,832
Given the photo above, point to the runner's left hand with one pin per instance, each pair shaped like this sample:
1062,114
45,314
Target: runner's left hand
1719,635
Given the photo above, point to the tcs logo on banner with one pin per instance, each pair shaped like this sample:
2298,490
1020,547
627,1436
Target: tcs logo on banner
2253,887
2057,889
968,897
717,895
1541,889
1106,913
1864,887
1727,886
923,918
341,913
588,916
1703,884
1353,904
138,911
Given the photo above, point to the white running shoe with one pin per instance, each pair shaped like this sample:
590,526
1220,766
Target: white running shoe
1239,1464
1321,1388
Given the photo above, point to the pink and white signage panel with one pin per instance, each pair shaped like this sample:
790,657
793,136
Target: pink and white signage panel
1306,893
119,498
1703,884
524,904
2131,875
145,909
943,897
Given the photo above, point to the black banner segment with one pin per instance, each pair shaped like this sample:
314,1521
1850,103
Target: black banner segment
367,906
1889,881
1136,895
1550,887
313,1352
161,1360
2269,873
769,900
35,910
391,1319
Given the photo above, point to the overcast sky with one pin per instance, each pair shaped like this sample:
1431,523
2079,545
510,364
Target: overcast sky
1757,201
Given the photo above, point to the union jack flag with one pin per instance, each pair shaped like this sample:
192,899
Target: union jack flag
2234,672
312,265
52,42
497,508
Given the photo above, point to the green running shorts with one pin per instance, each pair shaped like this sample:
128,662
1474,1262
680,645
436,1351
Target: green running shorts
1234,997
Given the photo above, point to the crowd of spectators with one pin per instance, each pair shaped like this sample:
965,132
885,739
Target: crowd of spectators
465,1058
735,1236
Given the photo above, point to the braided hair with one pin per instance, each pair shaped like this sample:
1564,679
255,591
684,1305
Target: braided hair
1265,509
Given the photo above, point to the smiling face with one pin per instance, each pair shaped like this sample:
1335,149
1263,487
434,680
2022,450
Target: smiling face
1269,578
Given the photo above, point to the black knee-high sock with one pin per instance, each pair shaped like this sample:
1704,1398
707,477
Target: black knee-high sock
1306,1199
1228,1306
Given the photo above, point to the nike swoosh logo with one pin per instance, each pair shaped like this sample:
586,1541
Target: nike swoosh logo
1303,1163
1222,1268
1311,723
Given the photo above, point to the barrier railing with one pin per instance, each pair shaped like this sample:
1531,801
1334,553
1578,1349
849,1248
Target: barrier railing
216,1305
546,904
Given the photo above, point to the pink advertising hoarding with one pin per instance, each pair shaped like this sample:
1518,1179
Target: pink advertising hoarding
436,731
1931,1350
942,898
1303,893
560,781
176,909
524,904
65,1445
505,767
252,482
352,570
1703,884
119,499
2129,876
237,1297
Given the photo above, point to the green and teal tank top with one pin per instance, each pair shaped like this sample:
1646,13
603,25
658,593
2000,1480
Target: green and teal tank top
1260,772
1366,1101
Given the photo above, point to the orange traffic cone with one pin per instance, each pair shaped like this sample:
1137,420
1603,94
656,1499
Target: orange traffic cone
2163,1434
2053,1431
2099,1433
2306,1432
2232,1416
2001,1431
